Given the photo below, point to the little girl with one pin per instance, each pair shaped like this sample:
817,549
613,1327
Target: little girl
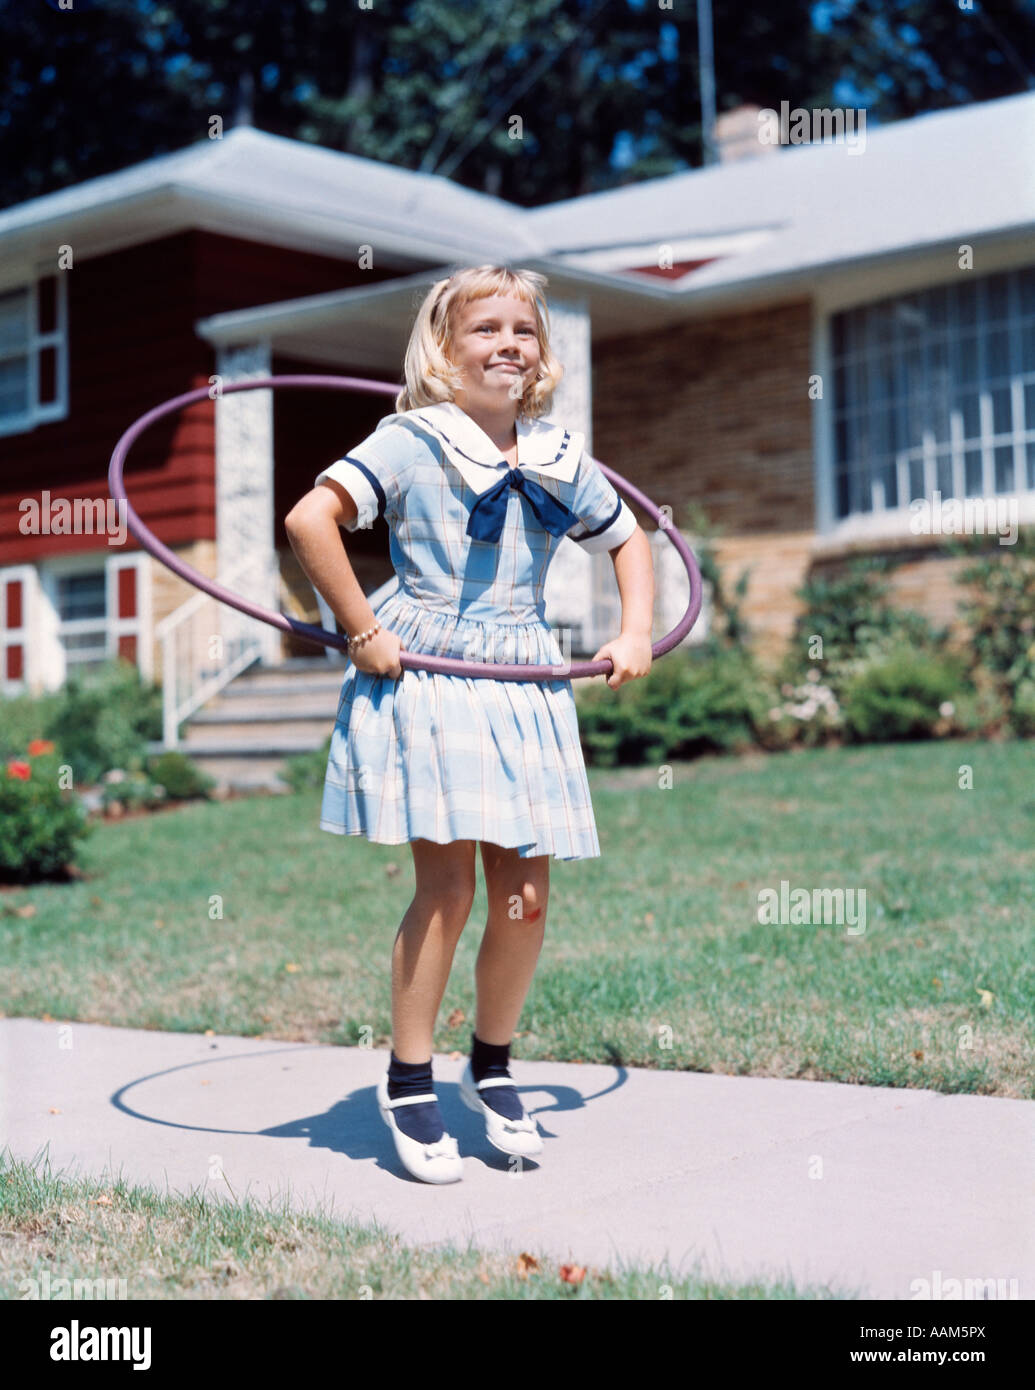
478,490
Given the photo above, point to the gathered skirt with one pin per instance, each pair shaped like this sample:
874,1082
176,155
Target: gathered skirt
445,758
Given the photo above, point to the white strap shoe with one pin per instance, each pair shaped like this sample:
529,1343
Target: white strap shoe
520,1137
439,1162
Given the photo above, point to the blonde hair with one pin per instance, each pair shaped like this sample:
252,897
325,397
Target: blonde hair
432,378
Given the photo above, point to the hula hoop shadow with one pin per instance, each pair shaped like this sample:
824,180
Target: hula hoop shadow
440,665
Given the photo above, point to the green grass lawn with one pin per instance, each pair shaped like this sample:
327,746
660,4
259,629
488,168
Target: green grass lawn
654,954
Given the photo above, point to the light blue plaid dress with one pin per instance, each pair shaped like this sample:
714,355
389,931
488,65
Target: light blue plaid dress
445,758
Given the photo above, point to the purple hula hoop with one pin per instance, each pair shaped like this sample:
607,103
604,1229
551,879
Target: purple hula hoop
441,665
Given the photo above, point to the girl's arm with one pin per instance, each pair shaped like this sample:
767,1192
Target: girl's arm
630,652
312,530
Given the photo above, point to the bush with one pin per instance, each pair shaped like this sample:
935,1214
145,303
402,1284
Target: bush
981,711
131,790
40,821
851,613
24,718
690,703
809,716
105,721
901,696
1000,615
182,779
306,770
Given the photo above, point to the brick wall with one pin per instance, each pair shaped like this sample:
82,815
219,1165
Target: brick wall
718,413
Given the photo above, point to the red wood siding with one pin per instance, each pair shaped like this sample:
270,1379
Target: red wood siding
14,663
127,593
132,345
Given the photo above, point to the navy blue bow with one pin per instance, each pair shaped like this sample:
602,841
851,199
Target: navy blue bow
490,510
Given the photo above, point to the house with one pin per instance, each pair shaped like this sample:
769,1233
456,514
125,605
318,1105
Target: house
804,343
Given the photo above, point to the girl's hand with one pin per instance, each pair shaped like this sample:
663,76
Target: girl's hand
379,655
631,656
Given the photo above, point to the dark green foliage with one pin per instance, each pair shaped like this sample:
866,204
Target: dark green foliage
1000,612
105,721
306,770
690,703
182,779
850,611
40,821
900,696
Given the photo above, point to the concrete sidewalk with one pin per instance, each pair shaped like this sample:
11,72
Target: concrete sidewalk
861,1189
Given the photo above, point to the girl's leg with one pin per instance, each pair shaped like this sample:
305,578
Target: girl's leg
426,941
517,891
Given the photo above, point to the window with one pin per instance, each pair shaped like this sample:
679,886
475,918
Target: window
82,612
33,353
935,392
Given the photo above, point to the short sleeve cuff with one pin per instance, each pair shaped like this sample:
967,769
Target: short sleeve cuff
614,532
362,487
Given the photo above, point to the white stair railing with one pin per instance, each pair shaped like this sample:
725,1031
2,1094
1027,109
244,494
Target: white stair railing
205,644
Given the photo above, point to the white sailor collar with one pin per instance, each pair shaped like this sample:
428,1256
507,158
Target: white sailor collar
542,447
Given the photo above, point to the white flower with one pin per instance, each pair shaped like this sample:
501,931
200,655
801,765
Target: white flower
115,775
775,713
946,708
813,675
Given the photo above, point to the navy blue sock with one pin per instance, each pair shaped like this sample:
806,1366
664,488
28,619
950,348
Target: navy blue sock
492,1059
423,1123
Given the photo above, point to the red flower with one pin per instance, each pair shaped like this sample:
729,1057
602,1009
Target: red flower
40,745
22,770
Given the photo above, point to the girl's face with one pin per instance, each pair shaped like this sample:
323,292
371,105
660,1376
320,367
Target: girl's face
495,344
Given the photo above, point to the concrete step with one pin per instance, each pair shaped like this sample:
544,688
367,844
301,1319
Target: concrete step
327,688
297,669
264,736
268,708
241,766
243,774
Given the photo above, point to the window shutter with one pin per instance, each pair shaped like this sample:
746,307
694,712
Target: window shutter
18,609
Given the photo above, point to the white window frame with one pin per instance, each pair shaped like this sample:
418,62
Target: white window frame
864,285
27,277
56,666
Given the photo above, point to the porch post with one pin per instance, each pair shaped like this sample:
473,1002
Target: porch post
244,485
579,585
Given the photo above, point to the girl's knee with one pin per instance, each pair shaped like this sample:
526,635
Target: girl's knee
526,902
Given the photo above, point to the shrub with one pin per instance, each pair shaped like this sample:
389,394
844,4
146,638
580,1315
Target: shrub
808,716
981,710
690,703
182,779
1000,615
106,720
40,821
131,790
851,613
901,696
306,770
24,718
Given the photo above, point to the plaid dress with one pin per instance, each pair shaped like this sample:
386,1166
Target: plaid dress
446,758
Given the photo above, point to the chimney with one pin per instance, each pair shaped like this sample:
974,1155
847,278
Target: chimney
738,134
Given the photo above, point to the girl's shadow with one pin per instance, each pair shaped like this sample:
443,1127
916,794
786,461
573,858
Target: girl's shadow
354,1127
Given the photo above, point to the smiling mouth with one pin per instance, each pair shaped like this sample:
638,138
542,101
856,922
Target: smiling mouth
507,367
